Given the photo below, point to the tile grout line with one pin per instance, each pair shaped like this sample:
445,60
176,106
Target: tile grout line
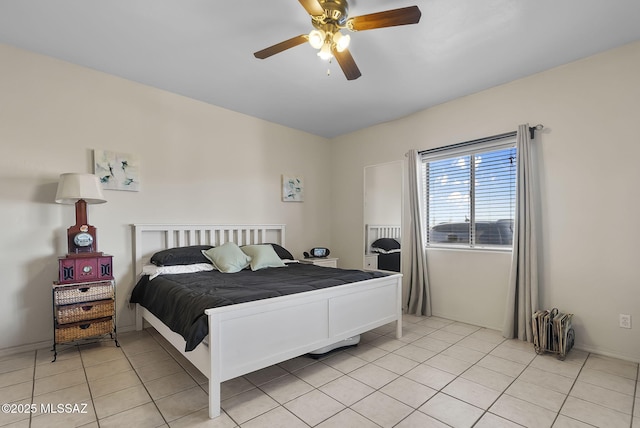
503,391
390,334
451,381
206,390
635,394
188,373
33,383
457,376
441,390
342,375
571,389
283,404
437,353
86,378
142,382
314,388
485,411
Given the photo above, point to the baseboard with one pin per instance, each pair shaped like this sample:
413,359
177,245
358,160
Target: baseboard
46,344
126,328
592,349
470,322
606,353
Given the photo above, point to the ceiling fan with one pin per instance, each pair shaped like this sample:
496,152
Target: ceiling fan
329,17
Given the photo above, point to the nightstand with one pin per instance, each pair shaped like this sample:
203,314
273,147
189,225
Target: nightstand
321,261
84,301
371,262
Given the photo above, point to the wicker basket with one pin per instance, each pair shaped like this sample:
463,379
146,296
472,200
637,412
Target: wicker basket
83,292
84,311
81,330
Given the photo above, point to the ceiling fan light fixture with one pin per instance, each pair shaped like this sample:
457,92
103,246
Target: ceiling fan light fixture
325,52
316,38
328,18
341,41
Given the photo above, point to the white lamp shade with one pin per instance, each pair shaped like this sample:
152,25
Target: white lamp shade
341,41
325,52
75,186
316,38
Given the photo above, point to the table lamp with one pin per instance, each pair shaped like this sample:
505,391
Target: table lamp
80,189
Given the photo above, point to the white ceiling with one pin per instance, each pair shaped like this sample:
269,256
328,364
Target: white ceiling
203,49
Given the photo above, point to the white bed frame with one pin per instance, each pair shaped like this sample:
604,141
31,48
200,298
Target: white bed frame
377,231
254,335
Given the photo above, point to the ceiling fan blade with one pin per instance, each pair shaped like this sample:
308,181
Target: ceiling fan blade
282,46
312,7
388,18
347,64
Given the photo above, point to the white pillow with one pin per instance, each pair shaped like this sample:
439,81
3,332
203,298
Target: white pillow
262,256
383,251
227,258
153,270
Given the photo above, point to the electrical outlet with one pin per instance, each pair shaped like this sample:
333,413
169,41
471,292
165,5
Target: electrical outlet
625,321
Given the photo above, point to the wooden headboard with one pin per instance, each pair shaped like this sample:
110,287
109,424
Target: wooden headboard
151,238
377,231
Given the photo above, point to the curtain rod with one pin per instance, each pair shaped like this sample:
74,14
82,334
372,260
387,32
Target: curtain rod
468,143
532,130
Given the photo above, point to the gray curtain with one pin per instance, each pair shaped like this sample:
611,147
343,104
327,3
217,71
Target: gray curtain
522,296
419,299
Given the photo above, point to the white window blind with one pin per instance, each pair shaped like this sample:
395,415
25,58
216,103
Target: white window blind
470,192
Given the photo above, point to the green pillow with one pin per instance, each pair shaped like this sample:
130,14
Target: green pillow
262,256
227,258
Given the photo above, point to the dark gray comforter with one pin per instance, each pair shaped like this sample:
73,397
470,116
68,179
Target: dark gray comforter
179,301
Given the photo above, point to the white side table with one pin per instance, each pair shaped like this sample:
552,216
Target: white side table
371,262
321,261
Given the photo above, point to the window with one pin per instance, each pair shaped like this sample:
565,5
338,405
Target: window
470,193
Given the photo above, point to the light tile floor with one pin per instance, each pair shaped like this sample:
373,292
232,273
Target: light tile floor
440,374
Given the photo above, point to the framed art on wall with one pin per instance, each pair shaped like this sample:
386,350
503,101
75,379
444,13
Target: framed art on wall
117,171
292,188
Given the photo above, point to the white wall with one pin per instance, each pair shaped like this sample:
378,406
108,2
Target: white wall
199,163
588,177
383,193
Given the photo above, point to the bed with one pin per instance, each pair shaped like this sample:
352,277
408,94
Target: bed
241,336
383,240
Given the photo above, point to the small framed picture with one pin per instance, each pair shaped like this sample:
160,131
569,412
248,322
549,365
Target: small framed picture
292,188
117,171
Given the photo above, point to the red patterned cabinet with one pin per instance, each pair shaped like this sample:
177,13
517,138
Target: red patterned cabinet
84,299
81,269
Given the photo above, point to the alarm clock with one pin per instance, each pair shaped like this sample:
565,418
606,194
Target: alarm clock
317,252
